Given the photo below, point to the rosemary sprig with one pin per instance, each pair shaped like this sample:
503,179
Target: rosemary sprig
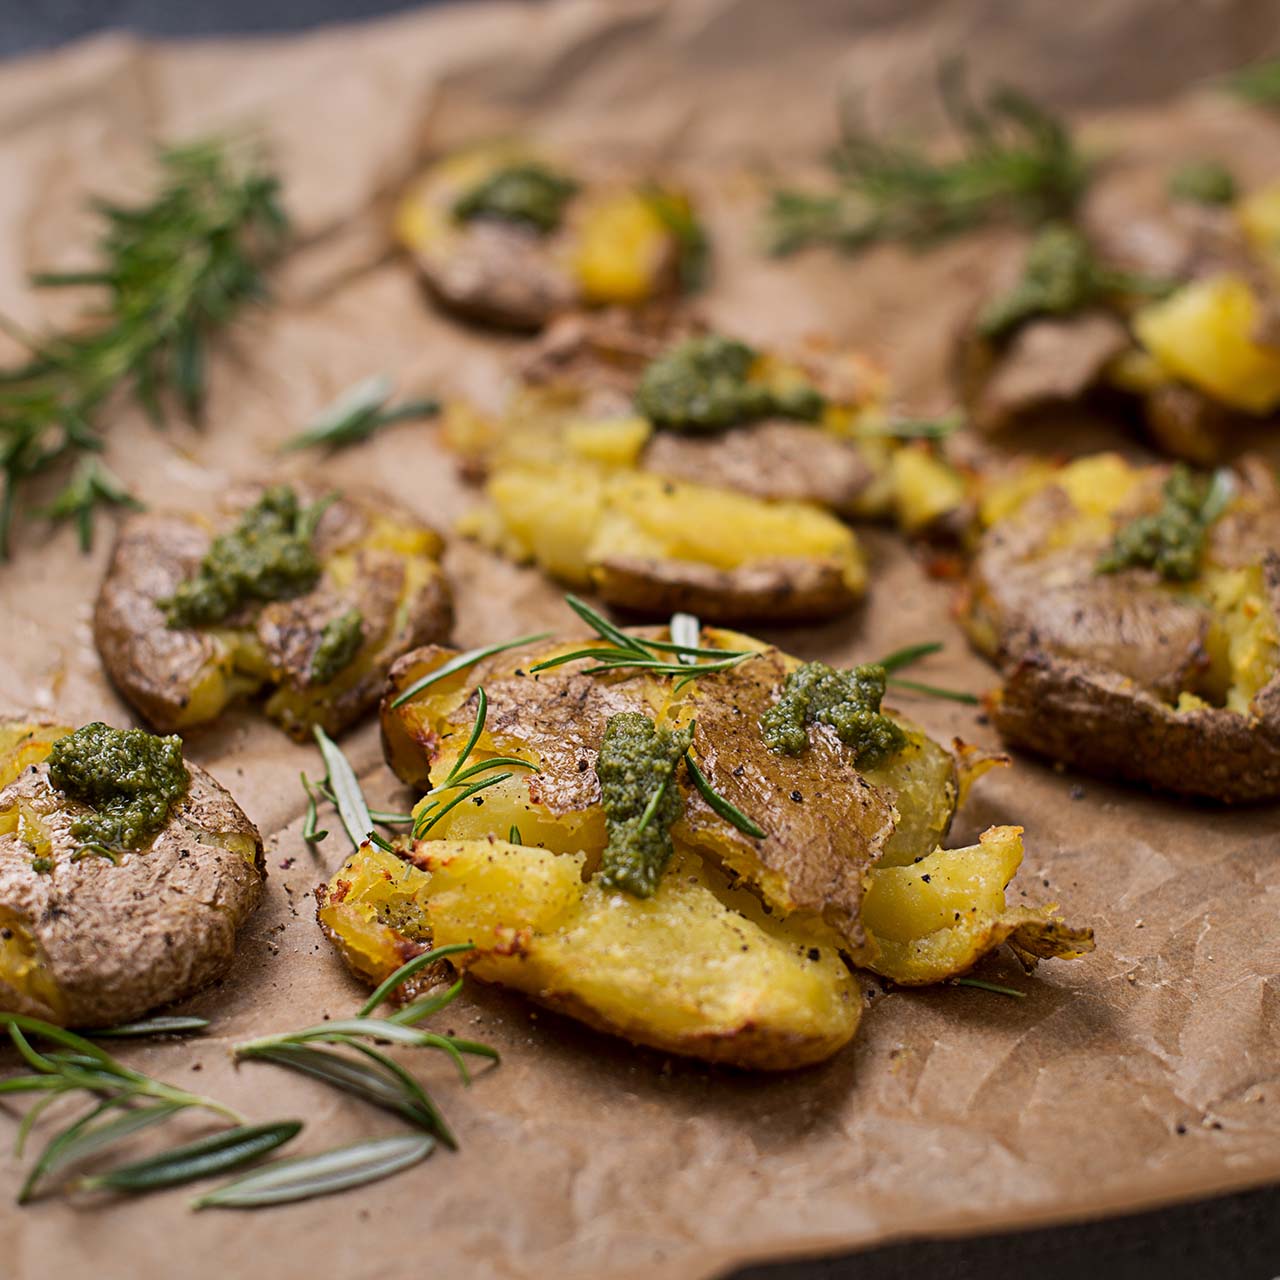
126,1101
304,1177
627,652
470,777
357,414
91,483
904,657
176,270
460,663
373,1075
1018,162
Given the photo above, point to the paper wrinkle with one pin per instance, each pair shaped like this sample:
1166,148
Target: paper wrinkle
954,1109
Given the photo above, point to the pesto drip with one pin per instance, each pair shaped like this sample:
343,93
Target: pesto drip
846,701
703,385
340,641
636,768
267,556
530,194
1171,540
131,780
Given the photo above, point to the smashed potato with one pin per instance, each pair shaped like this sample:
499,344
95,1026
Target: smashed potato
656,546
378,570
1169,680
503,235
92,936
740,955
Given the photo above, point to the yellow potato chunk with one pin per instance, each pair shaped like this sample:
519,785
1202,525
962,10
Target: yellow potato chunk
1204,334
569,518
935,918
621,248
679,971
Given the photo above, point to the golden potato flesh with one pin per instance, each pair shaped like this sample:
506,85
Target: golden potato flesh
657,546
682,971
90,941
936,917
1175,683
376,558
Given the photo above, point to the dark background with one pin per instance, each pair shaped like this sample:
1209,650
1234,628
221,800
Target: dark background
1230,1238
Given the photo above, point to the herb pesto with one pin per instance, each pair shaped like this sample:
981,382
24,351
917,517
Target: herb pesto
131,781
1203,182
339,643
530,194
635,766
267,556
1171,540
847,701
703,385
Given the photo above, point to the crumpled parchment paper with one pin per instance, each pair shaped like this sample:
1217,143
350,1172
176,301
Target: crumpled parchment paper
1146,1072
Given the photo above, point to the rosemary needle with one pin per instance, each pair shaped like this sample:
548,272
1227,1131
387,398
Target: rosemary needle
357,414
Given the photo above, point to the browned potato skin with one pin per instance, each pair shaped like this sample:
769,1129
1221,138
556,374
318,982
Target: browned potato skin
785,589
1103,722
155,667
817,848
118,940
1091,664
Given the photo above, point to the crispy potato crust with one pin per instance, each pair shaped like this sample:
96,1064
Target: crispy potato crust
1174,685
376,557
90,943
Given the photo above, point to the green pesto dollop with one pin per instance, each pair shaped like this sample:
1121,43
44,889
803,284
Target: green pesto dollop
641,801
267,556
1059,276
847,701
701,385
530,194
1171,540
131,781
339,643
1203,182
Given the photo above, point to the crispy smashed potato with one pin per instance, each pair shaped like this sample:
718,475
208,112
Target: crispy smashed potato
1171,682
577,405
741,954
655,546
375,558
615,243
89,940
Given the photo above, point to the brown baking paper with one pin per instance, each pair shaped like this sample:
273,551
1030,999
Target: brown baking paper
1145,1072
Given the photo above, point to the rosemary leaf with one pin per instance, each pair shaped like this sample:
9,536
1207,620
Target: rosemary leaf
357,414
192,1160
934,691
988,986
161,1025
304,1177
514,836
461,663
407,970
728,811
425,1006
685,631
908,654
352,808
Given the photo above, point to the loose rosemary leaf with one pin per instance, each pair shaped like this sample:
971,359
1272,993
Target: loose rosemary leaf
345,787
461,663
214,1154
161,1025
304,1177
176,270
357,414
